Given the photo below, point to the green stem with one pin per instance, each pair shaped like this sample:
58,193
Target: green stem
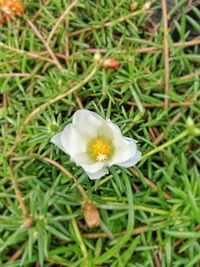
79,238
130,224
160,148
151,210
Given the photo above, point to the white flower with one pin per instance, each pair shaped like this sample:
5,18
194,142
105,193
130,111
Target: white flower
95,144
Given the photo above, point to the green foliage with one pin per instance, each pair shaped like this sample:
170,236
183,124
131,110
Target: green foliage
58,235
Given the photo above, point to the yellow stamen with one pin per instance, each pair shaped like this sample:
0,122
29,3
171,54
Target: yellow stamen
100,149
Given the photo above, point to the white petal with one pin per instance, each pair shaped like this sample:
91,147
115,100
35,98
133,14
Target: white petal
57,141
98,174
104,131
114,127
124,150
87,122
82,158
94,167
117,132
73,142
88,164
132,161
119,140
84,114
130,139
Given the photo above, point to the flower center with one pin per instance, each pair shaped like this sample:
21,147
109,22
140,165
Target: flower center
100,149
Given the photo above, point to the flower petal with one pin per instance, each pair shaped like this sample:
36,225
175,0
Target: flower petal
83,158
114,127
73,142
125,150
87,122
117,132
132,161
97,175
104,131
57,141
87,163
92,168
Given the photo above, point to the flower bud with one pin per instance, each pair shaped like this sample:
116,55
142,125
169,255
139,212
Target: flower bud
110,63
28,222
133,5
91,215
97,56
147,5
192,128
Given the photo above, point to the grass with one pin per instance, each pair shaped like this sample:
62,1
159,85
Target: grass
149,213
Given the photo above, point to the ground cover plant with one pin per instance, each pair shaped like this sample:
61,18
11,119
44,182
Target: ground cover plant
136,63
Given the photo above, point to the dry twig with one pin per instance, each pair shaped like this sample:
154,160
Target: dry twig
18,193
150,183
68,173
136,231
107,24
38,34
166,52
61,18
43,106
23,52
